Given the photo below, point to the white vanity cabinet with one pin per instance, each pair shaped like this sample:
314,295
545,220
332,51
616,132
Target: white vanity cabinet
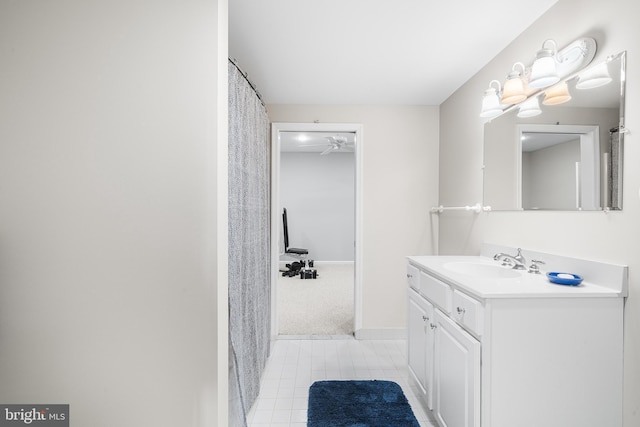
518,352
443,359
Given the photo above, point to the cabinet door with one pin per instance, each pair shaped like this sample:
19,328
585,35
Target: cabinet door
456,375
418,324
420,343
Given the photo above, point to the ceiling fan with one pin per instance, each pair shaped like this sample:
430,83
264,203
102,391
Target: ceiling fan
337,143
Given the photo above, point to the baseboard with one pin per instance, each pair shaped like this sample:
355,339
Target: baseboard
381,334
334,262
316,337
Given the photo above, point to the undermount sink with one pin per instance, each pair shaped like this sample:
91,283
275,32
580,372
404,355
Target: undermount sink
482,270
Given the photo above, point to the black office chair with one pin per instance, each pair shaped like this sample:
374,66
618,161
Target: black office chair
302,267
295,252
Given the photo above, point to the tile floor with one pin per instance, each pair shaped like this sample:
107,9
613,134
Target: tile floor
295,364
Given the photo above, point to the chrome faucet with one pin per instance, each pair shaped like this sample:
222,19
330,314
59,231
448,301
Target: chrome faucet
517,262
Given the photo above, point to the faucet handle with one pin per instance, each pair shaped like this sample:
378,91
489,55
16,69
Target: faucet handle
534,267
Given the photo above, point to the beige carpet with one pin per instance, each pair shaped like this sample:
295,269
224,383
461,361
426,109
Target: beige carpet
322,306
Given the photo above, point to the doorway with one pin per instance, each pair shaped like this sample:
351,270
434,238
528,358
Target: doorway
566,158
308,146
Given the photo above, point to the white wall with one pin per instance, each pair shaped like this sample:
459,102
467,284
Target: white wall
609,237
319,194
549,176
400,169
109,208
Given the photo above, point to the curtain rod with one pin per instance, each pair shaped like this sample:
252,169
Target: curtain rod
477,208
235,64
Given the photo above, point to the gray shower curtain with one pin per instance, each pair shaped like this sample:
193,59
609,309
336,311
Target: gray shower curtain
616,169
249,243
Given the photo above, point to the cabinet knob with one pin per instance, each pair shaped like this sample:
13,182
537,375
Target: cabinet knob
432,325
460,310
425,318
409,276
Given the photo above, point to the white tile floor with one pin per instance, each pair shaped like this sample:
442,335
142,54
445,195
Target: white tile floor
295,364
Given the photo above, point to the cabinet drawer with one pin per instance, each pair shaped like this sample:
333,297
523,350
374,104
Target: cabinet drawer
468,312
420,301
436,291
413,277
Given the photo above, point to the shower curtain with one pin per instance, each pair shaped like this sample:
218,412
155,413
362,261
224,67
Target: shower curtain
249,243
616,169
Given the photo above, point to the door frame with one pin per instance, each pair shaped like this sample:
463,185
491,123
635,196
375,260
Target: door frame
276,219
588,181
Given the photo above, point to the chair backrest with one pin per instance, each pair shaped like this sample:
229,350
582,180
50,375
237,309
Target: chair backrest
285,228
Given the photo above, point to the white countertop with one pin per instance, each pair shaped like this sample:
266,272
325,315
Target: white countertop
525,285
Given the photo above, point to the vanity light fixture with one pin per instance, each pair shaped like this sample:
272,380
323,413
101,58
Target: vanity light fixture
491,102
529,108
594,77
557,94
514,92
550,67
544,71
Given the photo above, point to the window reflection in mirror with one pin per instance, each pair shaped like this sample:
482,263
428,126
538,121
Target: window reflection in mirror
569,157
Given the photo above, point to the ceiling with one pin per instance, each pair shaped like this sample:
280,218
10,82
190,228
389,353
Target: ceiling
371,52
534,141
313,142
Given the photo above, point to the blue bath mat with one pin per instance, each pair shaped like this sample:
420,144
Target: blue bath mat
358,404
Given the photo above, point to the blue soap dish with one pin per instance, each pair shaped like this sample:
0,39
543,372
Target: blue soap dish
564,278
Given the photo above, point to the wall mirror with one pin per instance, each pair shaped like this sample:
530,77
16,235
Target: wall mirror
569,156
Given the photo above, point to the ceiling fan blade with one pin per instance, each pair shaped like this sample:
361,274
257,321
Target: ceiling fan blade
328,150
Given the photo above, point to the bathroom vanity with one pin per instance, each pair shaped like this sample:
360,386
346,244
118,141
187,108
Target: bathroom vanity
490,346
